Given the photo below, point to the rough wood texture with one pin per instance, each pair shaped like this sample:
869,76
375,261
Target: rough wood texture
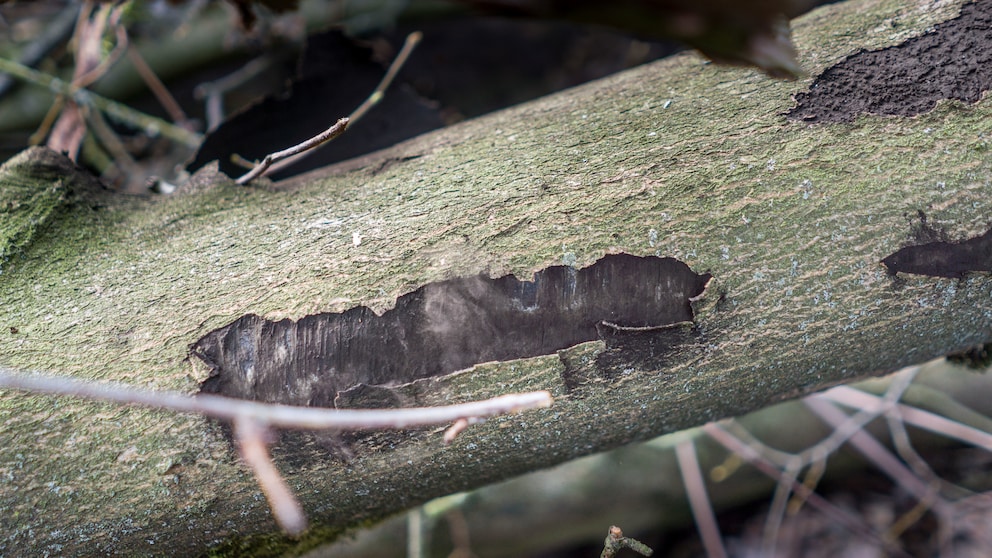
639,486
677,159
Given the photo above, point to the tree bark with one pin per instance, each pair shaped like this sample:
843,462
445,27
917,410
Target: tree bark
639,486
679,159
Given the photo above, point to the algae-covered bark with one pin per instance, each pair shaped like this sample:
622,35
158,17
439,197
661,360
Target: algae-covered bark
37,185
679,159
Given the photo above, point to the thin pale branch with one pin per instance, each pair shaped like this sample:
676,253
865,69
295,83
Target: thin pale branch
849,397
695,490
454,430
157,88
280,416
752,456
213,91
252,421
380,91
878,454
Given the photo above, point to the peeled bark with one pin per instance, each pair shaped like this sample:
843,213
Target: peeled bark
679,162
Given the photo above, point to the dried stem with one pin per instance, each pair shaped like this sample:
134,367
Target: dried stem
213,91
454,430
327,135
372,100
695,488
408,45
125,164
280,416
89,37
158,88
875,452
849,396
252,421
752,456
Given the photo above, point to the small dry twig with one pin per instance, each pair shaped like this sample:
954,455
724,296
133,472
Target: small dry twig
158,88
454,430
69,129
408,45
252,421
120,112
295,154
327,135
615,542
251,437
280,416
213,91
920,418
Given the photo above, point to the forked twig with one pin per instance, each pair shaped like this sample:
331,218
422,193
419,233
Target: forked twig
280,416
252,421
758,461
287,157
327,135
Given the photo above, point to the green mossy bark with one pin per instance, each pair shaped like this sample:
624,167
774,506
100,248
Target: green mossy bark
37,185
678,158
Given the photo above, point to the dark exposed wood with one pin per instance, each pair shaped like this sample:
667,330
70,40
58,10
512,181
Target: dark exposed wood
678,159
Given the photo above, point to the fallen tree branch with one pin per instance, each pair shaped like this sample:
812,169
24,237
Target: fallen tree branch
674,160
287,157
327,135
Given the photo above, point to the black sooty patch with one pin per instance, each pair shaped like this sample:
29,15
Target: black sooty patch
953,61
936,256
443,327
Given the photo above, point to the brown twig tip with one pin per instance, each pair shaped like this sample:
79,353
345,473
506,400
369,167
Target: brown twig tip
615,541
327,135
253,422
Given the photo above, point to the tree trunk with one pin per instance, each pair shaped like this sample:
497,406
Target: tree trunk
693,172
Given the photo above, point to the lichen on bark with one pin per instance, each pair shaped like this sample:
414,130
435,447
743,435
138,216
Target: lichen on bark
676,159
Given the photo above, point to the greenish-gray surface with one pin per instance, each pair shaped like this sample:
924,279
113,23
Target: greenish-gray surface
639,486
678,158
